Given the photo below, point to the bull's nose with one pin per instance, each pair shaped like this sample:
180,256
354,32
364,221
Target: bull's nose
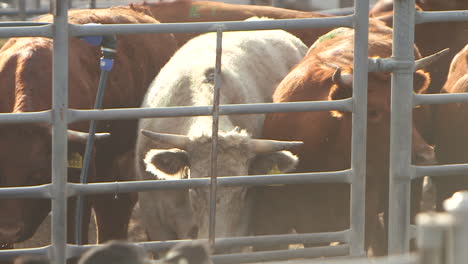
425,156
9,233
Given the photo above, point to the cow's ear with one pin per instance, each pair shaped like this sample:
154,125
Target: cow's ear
342,85
421,81
273,163
167,164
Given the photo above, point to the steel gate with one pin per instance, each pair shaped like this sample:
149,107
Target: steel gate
401,170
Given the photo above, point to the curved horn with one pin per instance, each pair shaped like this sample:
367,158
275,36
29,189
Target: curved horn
266,145
345,79
178,141
74,135
426,61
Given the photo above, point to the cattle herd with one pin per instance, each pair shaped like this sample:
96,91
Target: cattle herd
164,70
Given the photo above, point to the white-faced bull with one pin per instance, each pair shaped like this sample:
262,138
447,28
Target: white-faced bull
253,63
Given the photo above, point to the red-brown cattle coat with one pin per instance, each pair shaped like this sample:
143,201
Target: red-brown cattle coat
327,141
26,85
451,129
435,36
202,11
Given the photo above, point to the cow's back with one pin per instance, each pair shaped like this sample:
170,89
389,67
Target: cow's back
203,11
253,63
26,70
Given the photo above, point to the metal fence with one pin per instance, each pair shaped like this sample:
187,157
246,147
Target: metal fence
401,172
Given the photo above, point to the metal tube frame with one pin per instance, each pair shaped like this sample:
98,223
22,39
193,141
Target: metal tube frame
401,129
359,128
59,245
58,250
214,136
401,173
403,100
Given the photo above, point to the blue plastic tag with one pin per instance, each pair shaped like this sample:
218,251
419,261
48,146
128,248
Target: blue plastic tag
93,40
106,64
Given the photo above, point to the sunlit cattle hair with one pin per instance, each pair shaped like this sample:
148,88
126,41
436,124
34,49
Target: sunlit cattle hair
325,74
202,11
451,130
253,63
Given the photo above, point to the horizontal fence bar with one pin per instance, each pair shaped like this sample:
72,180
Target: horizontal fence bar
27,117
257,180
89,30
338,11
44,191
314,252
228,242
440,16
38,11
9,254
272,240
40,191
387,64
15,11
76,115
402,259
445,98
22,23
26,31
77,250
439,170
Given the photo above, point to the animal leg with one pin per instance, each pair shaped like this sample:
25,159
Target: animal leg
113,215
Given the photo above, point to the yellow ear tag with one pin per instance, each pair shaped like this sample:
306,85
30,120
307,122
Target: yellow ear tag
75,161
274,170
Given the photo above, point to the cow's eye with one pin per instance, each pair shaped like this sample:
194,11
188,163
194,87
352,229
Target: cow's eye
374,115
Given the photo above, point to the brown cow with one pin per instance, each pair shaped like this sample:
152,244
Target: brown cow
202,11
451,129
432,37
324,74
26,81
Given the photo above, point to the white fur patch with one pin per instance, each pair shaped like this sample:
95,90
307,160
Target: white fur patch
155,171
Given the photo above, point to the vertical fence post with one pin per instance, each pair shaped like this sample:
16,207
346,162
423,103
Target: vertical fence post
22,10
59,132
359,130
401,128
214,136
432,237
457,206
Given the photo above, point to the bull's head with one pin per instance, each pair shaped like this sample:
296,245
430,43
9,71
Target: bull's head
189,157
379,104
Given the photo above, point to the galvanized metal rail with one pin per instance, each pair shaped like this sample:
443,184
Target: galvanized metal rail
402,102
